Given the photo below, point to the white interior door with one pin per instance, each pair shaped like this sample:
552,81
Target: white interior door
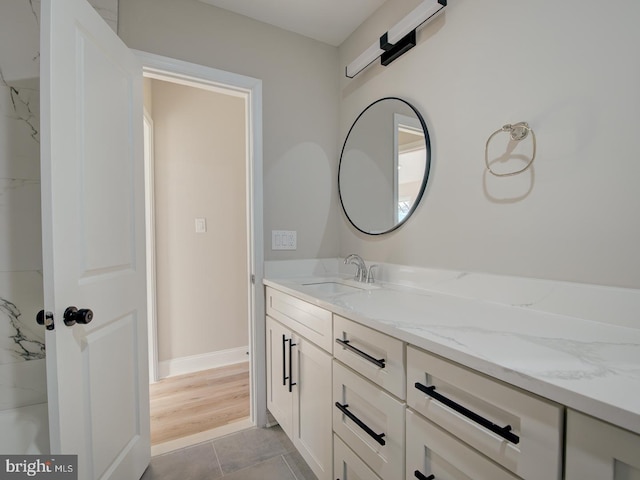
93,242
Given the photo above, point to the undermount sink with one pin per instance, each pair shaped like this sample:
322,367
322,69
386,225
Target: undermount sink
331,288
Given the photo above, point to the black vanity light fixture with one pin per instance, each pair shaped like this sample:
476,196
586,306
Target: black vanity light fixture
399,39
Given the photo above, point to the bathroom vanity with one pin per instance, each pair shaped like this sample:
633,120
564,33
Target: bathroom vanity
385,381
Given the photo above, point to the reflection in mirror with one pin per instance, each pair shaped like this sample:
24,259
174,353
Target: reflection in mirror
384,166
410,156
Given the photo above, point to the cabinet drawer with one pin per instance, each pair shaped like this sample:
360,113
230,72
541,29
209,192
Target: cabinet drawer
519,431
374,413
374,355
432,451
347,465
310,321
596,449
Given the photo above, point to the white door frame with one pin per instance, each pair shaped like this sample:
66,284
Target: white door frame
150,223
206,77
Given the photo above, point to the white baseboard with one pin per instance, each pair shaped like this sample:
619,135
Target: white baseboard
195,363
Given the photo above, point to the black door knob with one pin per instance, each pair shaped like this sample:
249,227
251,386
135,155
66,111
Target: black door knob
72,316
46,319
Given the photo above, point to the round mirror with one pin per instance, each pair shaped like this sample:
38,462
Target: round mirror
384,166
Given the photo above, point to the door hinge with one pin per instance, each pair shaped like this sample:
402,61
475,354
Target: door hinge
253,279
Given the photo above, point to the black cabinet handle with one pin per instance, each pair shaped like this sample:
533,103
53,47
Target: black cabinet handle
504,432
420,476
291,345
345,343
284,360
378,437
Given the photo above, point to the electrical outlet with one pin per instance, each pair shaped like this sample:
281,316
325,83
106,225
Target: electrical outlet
284,240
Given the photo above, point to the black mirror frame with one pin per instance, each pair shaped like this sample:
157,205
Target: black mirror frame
425,178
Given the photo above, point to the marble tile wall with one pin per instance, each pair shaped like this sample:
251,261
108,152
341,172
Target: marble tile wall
22,350
22,353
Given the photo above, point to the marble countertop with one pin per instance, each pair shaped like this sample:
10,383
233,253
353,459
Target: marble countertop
585,365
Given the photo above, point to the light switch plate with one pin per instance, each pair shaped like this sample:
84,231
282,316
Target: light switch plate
201,225
284,240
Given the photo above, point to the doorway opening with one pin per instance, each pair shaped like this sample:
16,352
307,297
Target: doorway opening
204,251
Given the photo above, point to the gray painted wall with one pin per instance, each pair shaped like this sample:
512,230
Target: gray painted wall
300,106
571,70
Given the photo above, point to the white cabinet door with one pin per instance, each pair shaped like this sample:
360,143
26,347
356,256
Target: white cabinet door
312,406
94,243
601,451
279,396
299,394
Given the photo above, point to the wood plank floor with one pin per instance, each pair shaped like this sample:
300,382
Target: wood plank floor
189,404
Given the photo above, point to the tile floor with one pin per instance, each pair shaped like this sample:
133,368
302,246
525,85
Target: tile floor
254,454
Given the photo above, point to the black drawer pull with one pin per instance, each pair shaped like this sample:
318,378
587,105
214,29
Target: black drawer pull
376,436
420,476
291,345
504,432
284,360
345,343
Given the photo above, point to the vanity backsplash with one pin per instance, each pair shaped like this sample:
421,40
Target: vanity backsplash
614,305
